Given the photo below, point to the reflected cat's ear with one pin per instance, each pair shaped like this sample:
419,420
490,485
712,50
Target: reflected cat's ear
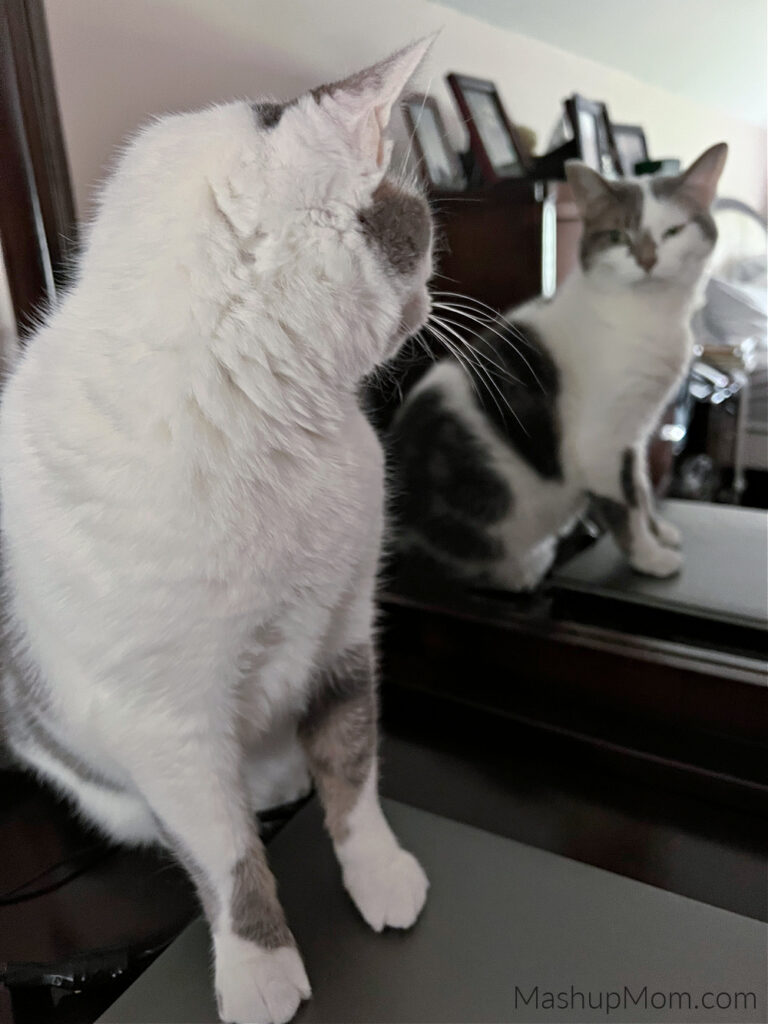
363,103
588,186
701,178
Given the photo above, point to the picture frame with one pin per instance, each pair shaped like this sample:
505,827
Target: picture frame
632,146
494,141
438,163
593,132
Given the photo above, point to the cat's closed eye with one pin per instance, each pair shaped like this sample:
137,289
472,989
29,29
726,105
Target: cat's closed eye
674,230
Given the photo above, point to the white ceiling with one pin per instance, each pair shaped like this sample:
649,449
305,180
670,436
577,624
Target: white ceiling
711,51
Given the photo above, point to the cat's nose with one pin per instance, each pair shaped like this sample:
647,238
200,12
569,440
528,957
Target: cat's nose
645,253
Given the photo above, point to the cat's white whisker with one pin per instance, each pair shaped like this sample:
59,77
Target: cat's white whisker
490,326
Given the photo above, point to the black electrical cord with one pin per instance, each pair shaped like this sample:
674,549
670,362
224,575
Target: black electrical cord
73,866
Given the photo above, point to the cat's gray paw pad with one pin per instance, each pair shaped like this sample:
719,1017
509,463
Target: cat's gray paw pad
259,986
661,562
388,892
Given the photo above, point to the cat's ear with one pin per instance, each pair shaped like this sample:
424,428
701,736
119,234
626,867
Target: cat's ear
588,186
701,178
362,104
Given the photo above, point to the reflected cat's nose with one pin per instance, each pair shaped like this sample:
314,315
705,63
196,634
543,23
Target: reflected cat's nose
645,253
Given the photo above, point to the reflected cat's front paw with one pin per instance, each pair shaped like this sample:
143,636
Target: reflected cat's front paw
388,891
660,561
667,533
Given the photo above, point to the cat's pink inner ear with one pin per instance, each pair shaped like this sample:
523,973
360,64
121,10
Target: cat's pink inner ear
588,186
702,176
364,101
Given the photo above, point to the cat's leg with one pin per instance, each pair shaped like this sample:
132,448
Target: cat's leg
636,465
623,503
192,782
339,733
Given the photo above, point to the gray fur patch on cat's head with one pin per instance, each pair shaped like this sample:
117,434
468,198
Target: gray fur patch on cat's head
617,206
268,114
399,225
672,188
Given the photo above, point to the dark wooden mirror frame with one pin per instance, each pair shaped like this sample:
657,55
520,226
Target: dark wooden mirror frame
576,105
460,85
458,180
37,214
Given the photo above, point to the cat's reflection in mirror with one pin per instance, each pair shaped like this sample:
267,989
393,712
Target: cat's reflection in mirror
551,409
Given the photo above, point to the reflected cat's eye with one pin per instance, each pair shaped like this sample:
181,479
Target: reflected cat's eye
675,230
616,237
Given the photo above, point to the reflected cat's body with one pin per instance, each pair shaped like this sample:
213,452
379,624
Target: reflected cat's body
498,460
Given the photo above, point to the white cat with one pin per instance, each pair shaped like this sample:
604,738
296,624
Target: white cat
496,463
192,506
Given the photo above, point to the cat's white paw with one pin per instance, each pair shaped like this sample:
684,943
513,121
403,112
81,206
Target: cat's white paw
658,561
258,986
668,533
389,891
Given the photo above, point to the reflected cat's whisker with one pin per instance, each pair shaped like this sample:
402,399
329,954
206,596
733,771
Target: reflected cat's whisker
486,373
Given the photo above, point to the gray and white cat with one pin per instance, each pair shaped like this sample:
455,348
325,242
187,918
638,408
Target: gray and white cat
492,472
192,506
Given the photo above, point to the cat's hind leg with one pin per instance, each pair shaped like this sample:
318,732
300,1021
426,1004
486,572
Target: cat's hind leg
621,497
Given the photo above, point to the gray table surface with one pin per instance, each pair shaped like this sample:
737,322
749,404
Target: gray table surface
724,577
502,919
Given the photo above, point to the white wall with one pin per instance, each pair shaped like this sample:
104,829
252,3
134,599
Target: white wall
119,61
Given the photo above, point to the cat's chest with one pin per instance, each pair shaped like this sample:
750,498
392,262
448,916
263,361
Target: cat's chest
312,518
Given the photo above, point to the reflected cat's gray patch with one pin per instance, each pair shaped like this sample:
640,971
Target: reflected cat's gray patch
674,188
525,412
628,484
619,209
613,516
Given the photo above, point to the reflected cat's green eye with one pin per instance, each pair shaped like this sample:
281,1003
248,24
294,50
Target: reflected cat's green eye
616,237
670,232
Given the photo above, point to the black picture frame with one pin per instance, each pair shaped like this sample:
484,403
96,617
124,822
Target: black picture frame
438,163
494,141
593,132
632,146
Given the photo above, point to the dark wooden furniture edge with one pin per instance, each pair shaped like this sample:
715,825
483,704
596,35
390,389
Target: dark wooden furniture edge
687,717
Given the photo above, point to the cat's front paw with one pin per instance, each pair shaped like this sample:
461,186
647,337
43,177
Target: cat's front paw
668,533
389,891
659,561
256,985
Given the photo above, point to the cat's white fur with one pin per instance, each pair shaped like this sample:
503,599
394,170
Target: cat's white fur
189,489
621,340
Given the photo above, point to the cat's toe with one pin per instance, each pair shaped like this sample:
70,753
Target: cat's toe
259,986
668,533
660,561
388,892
